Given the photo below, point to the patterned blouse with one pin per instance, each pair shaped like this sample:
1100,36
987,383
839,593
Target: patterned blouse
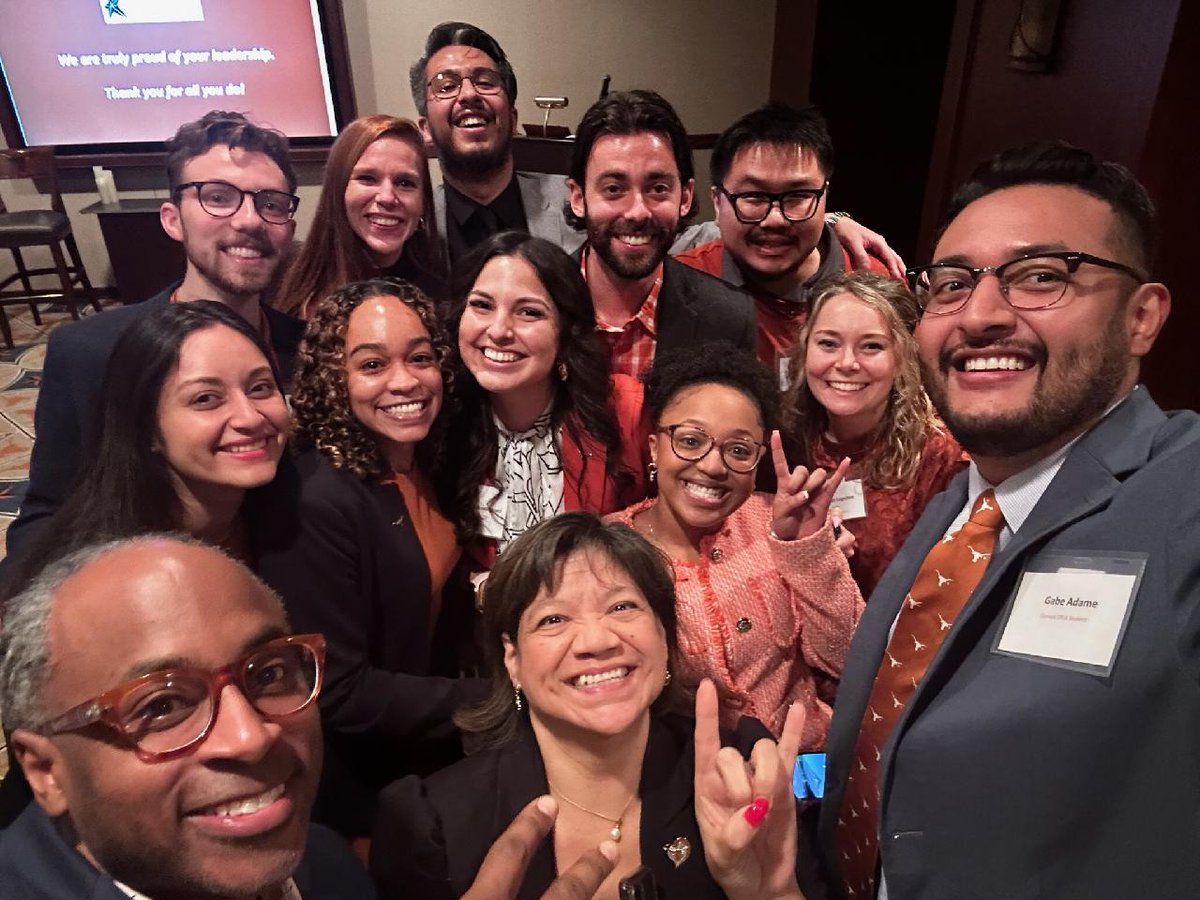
769,621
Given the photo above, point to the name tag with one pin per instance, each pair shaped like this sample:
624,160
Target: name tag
1071,610
491,521
849,497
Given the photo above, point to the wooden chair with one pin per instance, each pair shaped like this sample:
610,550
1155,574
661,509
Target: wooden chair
39,228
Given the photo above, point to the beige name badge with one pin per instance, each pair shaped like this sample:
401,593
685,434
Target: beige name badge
491,524
1070,610
849,498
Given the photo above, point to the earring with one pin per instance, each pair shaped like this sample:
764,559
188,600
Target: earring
562,371
421,223
667,679
652,468
518,702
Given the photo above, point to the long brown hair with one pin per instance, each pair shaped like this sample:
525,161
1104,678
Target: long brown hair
900,436
333,255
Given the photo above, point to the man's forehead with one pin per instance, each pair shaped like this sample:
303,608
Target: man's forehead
765,159
459,58
1028,218
611,154
156,601
232,164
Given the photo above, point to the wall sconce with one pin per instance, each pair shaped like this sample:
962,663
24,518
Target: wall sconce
1031,47
546,129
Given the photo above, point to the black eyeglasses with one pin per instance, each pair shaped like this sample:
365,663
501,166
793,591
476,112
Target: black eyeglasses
751,207
221,199
691,444
1036,281
446,85
167,714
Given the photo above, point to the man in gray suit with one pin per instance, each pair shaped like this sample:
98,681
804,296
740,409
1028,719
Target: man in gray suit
466,93
1041,731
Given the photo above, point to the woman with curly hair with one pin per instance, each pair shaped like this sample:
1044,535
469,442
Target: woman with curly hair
766,604
374,218
354,542
540,427
856,392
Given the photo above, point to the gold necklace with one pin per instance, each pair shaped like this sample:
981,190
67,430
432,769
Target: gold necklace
615,832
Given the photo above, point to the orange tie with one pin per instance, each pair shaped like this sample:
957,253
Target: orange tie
945,581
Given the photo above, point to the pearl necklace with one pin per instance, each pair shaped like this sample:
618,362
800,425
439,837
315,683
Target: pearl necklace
615,831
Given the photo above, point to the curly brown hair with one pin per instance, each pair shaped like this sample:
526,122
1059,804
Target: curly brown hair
900,436
321,400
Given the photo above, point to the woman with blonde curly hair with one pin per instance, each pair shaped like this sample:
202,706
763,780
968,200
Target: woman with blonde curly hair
856,392
353,540
374,218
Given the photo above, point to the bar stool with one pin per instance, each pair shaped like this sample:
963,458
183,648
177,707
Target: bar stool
39,228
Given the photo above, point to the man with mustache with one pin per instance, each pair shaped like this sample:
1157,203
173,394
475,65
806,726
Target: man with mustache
169,728
232,199
770,182
1019,712
465,92
631,184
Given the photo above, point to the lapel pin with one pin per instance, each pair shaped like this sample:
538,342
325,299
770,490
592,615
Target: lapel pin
678,851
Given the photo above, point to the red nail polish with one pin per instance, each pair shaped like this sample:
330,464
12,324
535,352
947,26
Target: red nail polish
757,811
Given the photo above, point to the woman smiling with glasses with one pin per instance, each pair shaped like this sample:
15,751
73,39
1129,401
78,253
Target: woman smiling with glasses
766,602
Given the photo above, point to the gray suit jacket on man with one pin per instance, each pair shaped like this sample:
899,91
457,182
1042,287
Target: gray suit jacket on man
544,198
1008,778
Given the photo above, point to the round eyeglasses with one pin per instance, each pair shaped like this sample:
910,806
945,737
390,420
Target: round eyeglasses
691,444
221,199
1035,281
167,714
752,207
446,85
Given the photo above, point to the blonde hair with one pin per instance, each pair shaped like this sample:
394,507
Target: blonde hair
895,457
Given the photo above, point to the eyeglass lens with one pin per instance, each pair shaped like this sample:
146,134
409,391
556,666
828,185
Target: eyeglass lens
445,85
796,206
1031,283
164,715
221,199
692,445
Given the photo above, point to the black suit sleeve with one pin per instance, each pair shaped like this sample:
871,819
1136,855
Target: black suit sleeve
408,855
329,586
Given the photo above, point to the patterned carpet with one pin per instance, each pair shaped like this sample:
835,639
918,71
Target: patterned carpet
20,378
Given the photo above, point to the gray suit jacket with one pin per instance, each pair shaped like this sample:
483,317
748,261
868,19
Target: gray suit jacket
544,197
1007,778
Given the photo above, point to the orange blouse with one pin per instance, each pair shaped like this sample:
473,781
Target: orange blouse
435,531
765,619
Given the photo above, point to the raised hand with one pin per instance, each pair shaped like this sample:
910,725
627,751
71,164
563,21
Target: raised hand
746,810
503,869
862,243
802,497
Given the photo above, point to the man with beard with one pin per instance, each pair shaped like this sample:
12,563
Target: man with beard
631,184
1019,713
465,92
231,206
170,731
770,181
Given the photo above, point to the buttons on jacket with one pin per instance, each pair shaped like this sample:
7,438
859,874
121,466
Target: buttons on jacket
715,554
743,625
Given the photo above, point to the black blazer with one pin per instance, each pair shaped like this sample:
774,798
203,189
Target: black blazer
694,307
37,864
344,556
72,376
431,836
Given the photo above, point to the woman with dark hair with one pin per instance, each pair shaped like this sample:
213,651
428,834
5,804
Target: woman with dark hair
579,636
767,606
191,418
354,541
540,427
856,392
375,217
